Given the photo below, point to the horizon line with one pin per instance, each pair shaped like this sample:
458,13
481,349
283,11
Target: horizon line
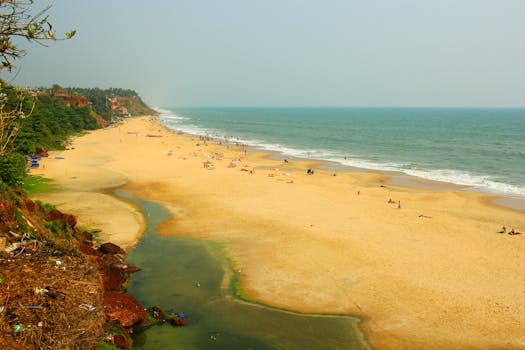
340,107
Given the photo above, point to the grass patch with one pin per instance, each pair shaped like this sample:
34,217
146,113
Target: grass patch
48,208
102,345
79,133
94,232
37,184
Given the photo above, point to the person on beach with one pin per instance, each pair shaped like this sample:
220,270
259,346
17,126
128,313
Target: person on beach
399,205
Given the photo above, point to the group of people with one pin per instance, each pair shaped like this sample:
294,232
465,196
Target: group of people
390,201
511,232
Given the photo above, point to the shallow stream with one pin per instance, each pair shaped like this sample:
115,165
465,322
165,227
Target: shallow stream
187,275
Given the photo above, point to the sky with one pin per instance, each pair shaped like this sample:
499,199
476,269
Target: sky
378,53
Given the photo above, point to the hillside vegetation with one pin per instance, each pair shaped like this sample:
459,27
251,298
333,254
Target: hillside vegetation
54,114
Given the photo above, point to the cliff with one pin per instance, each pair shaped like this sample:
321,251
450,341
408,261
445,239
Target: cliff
58,289
113,102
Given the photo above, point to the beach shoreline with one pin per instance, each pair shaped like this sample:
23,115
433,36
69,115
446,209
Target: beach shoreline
365,140
399,178
416,269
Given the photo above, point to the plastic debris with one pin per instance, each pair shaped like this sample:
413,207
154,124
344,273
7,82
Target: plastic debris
87,307
41,291
14,234
12,247
30,306
17,328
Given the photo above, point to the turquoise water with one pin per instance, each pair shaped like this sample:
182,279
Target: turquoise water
481,148
186,275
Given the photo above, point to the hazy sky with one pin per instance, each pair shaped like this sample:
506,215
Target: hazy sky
289,52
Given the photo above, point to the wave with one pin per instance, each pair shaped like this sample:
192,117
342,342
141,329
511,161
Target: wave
478,182
168,115
484,183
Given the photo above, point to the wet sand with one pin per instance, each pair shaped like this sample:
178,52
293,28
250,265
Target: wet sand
431,274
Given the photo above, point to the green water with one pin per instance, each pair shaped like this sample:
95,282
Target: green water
186,275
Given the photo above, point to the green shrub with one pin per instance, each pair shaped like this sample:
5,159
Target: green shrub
57,229
12,169
48,208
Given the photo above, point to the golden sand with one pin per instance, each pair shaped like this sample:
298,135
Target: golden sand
432,274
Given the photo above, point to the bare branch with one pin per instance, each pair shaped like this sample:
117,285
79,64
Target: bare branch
17,20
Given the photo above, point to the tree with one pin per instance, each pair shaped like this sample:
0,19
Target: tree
12,169
17,20
10,118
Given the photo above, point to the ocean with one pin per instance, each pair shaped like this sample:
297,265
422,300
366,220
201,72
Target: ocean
483,149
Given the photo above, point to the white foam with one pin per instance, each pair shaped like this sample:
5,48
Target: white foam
482,183
168,115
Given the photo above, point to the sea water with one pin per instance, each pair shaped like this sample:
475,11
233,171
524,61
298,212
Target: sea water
483,149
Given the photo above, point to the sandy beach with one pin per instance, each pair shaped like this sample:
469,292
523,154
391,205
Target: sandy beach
428,271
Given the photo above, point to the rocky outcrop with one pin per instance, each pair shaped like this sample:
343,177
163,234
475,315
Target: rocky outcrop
88,249
121,341
178,321
120,308
72,99
124,310
114,271
157,313
65,219
110,248
42,152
